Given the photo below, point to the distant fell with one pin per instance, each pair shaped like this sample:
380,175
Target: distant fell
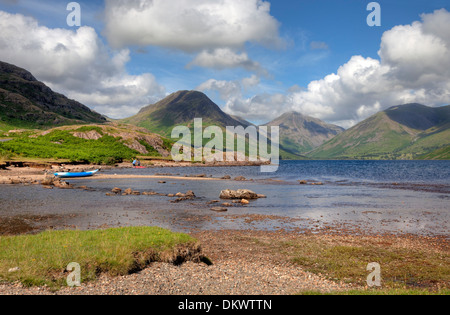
300,134
419,117
411,131
26,102
181,108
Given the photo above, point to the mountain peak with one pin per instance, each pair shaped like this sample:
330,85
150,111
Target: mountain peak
27,102
6,68
300,133
418,116
181,108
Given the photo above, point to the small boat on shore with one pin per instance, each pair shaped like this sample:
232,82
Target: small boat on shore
76,175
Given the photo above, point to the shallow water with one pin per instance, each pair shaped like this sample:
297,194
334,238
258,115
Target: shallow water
403,197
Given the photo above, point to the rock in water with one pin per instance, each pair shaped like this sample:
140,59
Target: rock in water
116,190
219,209
238,194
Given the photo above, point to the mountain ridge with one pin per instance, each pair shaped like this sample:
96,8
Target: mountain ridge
406,131
27,102
300,134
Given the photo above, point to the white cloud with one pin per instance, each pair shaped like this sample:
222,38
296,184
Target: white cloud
414,66
190,25
76,63
217,31
225,58
256,108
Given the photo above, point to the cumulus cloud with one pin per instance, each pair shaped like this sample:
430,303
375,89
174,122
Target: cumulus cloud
256,108
216,31
414,66
76,63
190,25
225,58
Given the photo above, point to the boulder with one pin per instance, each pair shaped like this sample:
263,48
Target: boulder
190,194
62,184
238,194
116,190
183,197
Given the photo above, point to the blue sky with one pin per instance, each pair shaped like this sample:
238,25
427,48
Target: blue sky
281,58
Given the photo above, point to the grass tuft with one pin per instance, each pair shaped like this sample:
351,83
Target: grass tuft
42,259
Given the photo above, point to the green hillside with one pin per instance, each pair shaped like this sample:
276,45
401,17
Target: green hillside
402,132
439,154
101,144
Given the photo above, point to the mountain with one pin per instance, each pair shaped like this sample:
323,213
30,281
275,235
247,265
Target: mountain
27,103
410,131
300,134
180,109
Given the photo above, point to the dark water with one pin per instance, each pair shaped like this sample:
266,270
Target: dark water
429,172
378,196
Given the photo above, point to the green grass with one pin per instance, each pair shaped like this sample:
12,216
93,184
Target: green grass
439,154
61,144
43,258
401,267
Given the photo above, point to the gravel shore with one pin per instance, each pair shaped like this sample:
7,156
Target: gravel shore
240,267
251,262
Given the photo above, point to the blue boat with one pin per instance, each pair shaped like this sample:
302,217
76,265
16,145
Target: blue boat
76,175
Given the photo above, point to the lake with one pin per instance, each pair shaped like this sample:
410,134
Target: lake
373,196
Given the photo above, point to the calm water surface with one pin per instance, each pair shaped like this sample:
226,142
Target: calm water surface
378,196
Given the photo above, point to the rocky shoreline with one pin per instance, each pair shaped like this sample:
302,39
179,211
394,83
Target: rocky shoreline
13,173
245,262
